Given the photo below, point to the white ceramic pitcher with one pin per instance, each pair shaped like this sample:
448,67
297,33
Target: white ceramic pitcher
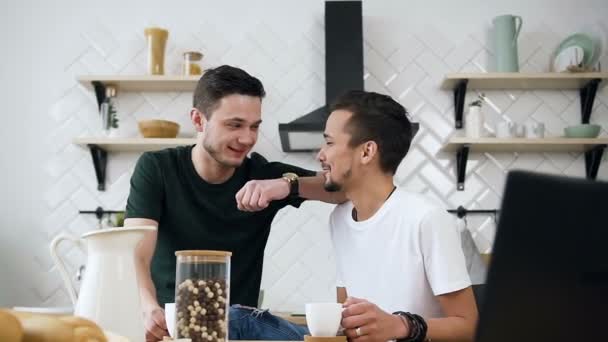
109,294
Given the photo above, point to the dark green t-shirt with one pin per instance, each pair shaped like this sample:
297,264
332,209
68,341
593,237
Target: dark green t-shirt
194,214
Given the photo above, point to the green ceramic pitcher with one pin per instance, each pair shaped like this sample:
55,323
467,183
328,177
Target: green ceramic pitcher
506,31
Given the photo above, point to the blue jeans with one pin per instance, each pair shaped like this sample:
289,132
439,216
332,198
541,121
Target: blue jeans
246,323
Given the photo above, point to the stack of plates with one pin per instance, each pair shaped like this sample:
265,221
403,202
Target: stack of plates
579,52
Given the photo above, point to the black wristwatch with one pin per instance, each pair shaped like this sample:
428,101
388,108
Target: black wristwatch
294,184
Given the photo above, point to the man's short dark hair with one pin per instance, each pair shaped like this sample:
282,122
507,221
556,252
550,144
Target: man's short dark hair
379,118
223,81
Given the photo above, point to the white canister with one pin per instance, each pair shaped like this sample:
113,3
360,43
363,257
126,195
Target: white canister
520,130
535,130
505,129
474,122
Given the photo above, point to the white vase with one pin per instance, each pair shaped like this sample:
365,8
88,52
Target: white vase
474,122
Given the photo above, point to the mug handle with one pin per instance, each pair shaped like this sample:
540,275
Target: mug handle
61,265
518,22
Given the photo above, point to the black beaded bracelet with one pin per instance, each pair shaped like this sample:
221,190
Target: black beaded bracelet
418,327
423,328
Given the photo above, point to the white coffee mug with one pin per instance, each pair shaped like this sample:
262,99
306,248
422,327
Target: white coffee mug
535,130
520,130
323,319
505,129
170,318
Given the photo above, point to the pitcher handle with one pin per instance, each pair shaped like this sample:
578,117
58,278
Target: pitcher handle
518,22
61,265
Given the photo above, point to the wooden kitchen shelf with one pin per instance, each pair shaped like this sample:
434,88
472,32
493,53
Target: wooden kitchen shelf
133,144
524,144
523,80
592,147
100,147
143,82
98,83
587,83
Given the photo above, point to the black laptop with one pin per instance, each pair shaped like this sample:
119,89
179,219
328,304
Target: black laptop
548,279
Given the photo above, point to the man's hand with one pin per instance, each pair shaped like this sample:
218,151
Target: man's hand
257,194
366,322
156,327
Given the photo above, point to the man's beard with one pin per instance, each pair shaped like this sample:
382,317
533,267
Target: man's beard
217,156
330,186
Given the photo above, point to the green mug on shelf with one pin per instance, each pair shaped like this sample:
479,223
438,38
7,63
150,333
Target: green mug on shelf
506,31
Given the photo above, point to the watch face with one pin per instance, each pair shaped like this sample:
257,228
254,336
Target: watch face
291,176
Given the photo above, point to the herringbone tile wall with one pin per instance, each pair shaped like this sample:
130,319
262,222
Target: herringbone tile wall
284,47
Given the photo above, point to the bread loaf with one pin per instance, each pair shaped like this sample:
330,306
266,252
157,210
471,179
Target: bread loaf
10,327
44,328
84,329
53,328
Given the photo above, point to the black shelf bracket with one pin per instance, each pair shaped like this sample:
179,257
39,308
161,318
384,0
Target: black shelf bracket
593,158
100,160
461,165
99,155
459,93
587,94
100,92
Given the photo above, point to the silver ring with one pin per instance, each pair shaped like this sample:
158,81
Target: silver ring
358,331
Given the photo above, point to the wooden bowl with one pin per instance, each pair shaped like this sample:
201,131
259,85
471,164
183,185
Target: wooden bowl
158,128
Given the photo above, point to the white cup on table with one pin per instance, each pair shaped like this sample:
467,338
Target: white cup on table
323,319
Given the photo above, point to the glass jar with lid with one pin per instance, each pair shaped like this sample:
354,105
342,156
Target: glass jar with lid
202,295
192,63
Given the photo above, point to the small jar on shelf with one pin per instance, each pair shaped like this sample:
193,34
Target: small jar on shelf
192,63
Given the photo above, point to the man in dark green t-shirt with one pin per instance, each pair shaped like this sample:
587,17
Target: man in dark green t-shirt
211,195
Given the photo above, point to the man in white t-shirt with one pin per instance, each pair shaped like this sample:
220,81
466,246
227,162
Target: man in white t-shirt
395,251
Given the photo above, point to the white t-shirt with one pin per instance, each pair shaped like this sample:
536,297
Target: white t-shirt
403,256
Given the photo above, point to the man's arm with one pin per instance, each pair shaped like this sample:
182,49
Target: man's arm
257,194
313,188
461,317
143,258
377,325
154,315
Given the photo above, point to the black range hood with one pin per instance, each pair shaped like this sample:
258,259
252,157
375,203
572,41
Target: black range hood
343,72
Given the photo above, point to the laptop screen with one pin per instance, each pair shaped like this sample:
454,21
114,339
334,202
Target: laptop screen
548,279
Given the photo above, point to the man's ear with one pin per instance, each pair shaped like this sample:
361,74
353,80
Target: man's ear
198,119
369,149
